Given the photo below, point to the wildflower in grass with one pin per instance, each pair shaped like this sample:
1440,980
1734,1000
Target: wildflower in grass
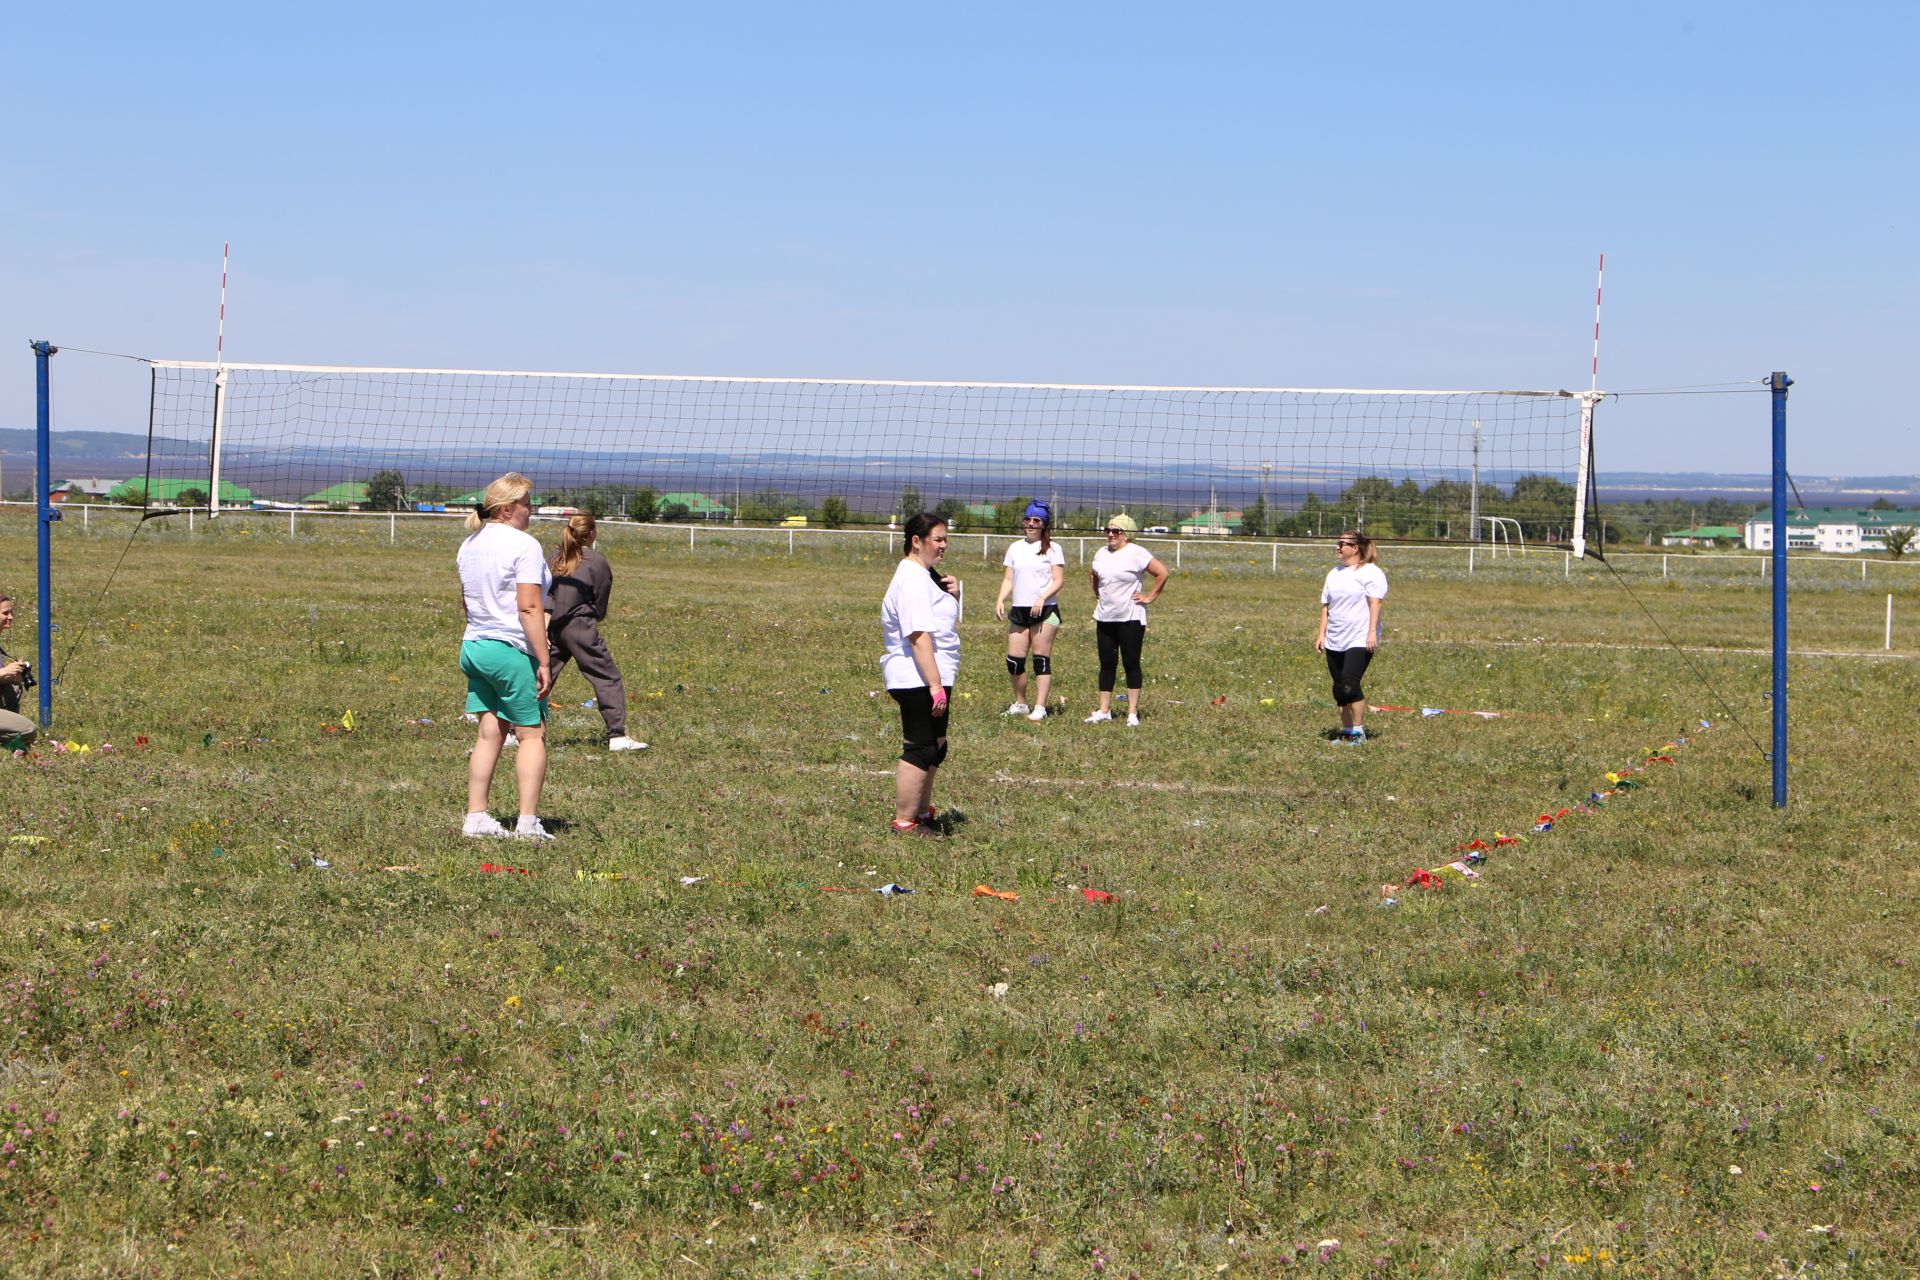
511,1002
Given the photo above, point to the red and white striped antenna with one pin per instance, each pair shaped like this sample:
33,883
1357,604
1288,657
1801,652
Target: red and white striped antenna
220,334
1599,279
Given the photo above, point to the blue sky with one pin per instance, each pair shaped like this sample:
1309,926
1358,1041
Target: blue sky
1394,195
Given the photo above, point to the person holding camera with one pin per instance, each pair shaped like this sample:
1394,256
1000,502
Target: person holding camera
16,677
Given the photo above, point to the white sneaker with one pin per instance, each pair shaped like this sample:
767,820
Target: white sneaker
1100,717
512,740
1133,721
624,743
530,828
1037,714
1017,709
481,824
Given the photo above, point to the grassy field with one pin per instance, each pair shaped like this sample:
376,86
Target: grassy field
1674,1036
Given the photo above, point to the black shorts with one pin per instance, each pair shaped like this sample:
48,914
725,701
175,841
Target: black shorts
918,724
1033,615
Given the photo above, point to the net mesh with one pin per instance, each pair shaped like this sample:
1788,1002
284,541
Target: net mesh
753,451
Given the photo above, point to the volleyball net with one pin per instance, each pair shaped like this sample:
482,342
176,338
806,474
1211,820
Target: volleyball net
1273,461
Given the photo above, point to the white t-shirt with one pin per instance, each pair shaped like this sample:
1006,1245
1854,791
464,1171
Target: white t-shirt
492,563
1033,572
1121,573
1346,595
915,602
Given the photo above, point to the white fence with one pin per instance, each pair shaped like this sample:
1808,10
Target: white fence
1238,554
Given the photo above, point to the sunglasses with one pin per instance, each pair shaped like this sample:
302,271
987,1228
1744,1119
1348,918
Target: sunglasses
1111,532
1346,543
1032,520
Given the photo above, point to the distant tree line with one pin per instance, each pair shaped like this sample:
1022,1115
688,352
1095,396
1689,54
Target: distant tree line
1541,504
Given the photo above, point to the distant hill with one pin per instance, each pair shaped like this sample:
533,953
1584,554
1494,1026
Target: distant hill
118,455
1838,491
15,441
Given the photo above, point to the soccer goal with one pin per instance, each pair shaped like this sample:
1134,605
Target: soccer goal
1201,461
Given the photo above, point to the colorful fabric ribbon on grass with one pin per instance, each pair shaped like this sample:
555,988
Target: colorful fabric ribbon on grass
1476,849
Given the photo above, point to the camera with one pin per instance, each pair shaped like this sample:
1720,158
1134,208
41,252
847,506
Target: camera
26,675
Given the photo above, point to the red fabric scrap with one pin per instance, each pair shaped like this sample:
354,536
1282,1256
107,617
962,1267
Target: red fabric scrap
1096,895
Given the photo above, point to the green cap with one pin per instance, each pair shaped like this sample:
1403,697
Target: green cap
1123,521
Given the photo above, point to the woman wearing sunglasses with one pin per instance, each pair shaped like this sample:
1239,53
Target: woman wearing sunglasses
1036,570
1120,614
1350,605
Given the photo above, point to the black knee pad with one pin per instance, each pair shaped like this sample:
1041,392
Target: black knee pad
939,754
923,755
1016,666
1042,664
1347,694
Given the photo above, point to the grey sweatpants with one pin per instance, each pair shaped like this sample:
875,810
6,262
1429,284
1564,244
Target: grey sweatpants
578,639
18,726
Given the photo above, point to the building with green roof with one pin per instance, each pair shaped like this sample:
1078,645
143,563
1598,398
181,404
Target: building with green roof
699,506
348,493
168,491
472,498
1701,535
1838,530
1212,524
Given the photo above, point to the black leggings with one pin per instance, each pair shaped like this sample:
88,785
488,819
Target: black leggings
1120,641
1347,666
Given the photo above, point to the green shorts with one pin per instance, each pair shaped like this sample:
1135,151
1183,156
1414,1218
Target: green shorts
501,678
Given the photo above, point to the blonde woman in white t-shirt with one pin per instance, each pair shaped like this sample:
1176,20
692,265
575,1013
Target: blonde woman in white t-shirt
1120,612
503,575
1350,605
1036,570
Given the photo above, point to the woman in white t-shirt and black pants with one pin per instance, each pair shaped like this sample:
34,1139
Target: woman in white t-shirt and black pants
920,628
1350,604
1120,612
1036,570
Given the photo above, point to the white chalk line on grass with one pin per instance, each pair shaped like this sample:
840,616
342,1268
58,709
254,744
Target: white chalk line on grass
1007,779
1884,655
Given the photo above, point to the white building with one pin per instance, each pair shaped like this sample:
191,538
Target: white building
1836,530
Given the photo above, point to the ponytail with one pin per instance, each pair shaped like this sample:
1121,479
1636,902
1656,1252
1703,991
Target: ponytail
575,538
